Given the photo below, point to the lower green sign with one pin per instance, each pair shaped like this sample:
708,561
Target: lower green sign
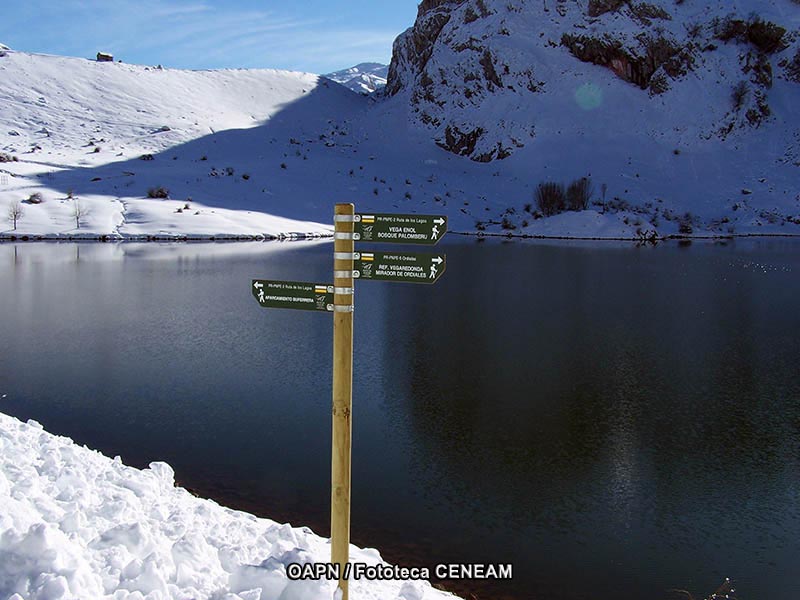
293,294
406,267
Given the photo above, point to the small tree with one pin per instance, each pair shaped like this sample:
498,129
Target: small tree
603,190
579,193
15,212
551,198
79,211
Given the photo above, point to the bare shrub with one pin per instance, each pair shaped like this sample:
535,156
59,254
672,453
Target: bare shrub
645,12
729,28
579,193
158,192
694,30
658,84
766,36
599,7
551,198
685,224
739,94
793,68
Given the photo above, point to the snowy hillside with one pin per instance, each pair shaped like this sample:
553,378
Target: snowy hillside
76,524
364,78
62,115
566,118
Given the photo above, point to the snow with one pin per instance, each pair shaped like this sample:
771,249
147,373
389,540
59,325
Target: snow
69,107
75,524
263,153
562,119
364,78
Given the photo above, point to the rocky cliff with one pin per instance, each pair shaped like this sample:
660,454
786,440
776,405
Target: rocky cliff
485,75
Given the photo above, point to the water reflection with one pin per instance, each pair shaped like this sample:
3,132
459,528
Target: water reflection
613,420
626,400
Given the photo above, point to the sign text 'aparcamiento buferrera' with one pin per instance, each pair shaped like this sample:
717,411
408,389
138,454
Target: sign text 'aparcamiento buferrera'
413,267
400,229
293,294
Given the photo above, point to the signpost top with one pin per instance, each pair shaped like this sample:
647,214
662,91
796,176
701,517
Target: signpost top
400,229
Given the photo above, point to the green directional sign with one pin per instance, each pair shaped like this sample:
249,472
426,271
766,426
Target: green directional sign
293,294
415,267
400,229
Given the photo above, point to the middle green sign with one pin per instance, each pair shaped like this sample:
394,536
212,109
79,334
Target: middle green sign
399,266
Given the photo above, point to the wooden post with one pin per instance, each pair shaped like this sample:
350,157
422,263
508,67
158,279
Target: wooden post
343,248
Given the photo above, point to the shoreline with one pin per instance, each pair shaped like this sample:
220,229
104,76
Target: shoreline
106,238
479,235
109,527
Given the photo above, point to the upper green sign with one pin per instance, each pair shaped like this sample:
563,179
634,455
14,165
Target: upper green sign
406,267
293,294
400,229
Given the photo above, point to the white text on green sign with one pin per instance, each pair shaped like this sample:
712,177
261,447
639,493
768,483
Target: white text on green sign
293,294
400,229
405,267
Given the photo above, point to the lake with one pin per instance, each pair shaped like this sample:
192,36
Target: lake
616,421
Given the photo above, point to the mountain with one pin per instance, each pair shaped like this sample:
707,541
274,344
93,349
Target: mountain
488,77
364,78
561,118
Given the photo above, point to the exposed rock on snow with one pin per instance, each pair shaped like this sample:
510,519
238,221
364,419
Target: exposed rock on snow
482,74
77,525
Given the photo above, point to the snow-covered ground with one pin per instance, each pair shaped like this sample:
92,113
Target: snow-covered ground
64,119
237,151
75,524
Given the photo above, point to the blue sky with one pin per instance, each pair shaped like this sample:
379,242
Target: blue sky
307,35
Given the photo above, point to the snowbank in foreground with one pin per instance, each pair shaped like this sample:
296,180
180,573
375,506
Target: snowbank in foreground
76,524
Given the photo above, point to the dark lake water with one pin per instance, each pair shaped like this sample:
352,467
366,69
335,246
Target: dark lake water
615,421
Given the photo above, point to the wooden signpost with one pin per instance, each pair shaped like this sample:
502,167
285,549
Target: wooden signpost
349,265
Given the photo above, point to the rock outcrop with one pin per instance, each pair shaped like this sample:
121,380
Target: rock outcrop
477,71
